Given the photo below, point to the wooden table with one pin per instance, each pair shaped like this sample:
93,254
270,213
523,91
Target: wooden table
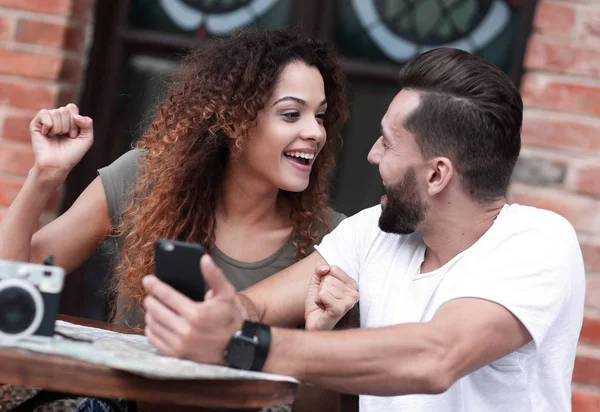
63,374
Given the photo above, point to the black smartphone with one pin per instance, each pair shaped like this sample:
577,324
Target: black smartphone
178,264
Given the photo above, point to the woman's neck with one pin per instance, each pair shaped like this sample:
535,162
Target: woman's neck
248,202
252,219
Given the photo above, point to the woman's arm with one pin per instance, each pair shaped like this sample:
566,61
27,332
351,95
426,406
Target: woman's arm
60,138
75,235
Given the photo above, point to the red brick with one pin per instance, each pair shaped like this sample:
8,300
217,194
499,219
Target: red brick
42,33
591,255
67,95
9,188
590,25
580,211
74,39
16,127
24,95
6,23
585,401
587,369
561,132
588,180
560,94
71,70
590,332
554,56
30,64
15,158
592,292
58,7
554,18
82,9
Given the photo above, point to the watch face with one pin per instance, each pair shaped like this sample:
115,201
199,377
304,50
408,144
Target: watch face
240,353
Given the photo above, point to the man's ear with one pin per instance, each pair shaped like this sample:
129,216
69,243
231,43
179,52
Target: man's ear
439,174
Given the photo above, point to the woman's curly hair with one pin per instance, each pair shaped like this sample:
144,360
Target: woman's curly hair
222,85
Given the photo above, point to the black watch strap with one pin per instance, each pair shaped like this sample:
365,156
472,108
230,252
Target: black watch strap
262,333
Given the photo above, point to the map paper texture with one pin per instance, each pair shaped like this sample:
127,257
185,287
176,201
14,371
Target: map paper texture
130,353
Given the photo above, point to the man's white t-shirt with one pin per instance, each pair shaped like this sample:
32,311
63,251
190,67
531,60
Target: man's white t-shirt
529,261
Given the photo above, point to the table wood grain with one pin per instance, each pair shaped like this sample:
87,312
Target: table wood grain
63,374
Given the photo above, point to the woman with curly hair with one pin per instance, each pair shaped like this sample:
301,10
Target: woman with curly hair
237,159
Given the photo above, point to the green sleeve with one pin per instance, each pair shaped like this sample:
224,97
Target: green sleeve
118,180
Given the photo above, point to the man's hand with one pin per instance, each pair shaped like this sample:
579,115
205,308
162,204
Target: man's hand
331,294
199,331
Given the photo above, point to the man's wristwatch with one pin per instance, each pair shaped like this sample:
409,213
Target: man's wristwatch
249,347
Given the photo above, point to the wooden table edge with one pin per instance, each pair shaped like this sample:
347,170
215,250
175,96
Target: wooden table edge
53,372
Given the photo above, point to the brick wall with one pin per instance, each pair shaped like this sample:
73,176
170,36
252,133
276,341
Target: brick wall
41,58
560,164
41,55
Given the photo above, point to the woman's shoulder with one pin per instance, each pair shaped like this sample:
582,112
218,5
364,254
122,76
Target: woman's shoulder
125,163
335,218
118,180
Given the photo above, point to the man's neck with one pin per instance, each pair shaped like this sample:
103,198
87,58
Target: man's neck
454,229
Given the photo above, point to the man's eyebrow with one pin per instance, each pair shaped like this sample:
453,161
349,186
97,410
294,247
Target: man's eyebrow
297,100
384,135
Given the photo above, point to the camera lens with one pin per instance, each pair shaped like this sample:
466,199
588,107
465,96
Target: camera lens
17,310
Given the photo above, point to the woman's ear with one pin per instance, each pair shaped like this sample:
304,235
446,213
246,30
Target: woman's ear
439,174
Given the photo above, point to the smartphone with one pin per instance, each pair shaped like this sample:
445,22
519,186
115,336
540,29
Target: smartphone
178,264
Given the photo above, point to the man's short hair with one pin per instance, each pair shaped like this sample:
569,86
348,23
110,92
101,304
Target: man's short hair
470,112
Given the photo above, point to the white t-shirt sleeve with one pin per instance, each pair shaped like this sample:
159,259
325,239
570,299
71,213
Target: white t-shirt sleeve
347,244
529,275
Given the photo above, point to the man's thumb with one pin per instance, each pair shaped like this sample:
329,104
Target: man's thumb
215,278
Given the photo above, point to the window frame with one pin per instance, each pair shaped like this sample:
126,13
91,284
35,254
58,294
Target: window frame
113,38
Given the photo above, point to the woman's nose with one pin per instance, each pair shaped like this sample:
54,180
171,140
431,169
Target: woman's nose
314,131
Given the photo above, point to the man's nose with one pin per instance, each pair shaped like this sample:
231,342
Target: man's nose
374,155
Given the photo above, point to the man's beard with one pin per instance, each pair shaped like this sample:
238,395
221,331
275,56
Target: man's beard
404,209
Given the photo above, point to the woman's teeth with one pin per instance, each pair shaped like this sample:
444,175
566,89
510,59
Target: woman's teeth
302,155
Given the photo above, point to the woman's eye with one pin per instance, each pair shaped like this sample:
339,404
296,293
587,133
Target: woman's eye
321,118
291,116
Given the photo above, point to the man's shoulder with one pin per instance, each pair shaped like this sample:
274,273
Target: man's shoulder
524,235
546,223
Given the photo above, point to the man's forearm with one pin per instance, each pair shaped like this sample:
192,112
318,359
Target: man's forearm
22,218
366,361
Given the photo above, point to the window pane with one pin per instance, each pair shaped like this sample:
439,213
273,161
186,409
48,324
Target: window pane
144,81
357,183
208,18
394,31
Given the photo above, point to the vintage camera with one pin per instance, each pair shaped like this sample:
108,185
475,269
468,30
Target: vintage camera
29,299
